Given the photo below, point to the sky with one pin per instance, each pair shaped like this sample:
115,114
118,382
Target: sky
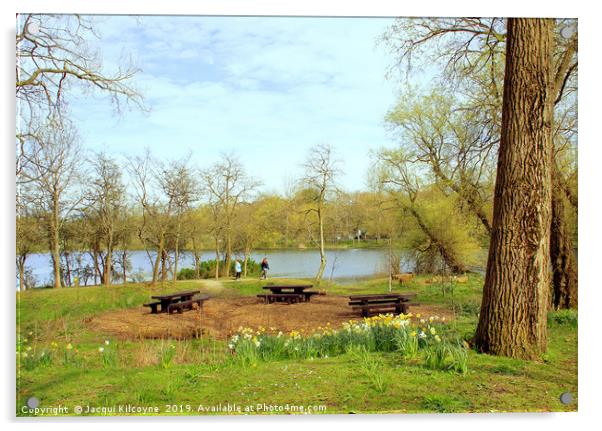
262,88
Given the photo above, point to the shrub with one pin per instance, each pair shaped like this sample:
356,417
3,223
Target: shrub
563,317
186,274
207,270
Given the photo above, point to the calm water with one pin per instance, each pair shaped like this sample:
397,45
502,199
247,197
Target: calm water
341,264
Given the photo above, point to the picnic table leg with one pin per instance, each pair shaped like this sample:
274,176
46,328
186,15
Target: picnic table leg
164,305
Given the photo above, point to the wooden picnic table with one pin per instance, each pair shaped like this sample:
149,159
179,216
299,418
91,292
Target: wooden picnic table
289,293
168,299
292,288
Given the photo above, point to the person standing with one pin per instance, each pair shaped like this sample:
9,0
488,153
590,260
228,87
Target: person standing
237,269
264,268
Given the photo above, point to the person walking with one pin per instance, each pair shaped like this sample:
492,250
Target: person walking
237,269
264,268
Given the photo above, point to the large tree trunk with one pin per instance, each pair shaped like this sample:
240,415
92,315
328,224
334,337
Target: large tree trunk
322,252
246,261
176,254
124,265
21,265
67,270
197,260
228,257
158,260
216,258
564,263
108,267
109,260
517,283
163,265
55,243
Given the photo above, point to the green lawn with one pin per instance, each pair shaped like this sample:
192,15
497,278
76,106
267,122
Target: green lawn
192,373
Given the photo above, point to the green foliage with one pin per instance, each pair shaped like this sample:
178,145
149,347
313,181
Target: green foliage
207,270
445,403
371,366
166,354
383,333
563,317
446,356
445,221
108,354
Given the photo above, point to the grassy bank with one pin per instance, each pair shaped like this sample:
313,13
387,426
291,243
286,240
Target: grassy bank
98,370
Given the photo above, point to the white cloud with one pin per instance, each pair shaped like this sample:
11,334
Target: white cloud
269,88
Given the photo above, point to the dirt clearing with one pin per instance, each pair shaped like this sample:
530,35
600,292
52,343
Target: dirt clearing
222,316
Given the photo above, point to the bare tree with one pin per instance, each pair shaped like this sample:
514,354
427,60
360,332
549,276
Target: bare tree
321,168
54,173
226,186
53,57
181,189
106,203
29,236
154,224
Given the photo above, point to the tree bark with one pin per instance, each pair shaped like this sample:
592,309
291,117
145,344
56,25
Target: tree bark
228,257
177,252
108,267
322,252
513,318
55,242
246,261
197,260
163,265
124,265
158,259
216,259
21,265
564,263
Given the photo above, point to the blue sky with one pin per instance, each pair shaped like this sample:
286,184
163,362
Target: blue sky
266,89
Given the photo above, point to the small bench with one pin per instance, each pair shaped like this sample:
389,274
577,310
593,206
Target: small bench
186,305
370,304
153,306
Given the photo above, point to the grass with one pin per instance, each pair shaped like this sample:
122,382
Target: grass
199,376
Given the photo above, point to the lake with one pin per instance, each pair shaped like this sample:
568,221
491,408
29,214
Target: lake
341,264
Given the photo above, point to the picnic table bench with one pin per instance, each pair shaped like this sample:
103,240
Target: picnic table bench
289,293
176,302
383,303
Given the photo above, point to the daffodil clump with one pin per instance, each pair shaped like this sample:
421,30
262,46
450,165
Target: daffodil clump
167,352
31,355
108,354
382,333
